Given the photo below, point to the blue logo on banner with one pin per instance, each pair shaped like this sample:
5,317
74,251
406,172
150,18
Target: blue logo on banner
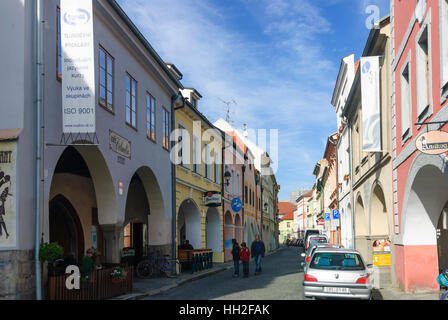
236,204
335,214
77,17
366,67
327,217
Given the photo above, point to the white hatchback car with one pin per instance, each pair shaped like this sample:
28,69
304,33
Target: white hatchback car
337,273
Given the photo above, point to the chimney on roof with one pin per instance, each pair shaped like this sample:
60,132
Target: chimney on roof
192,95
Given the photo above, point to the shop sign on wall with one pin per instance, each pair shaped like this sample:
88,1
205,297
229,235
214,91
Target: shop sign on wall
433,142
8,201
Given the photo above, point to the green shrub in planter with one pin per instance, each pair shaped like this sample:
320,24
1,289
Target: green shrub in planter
49,252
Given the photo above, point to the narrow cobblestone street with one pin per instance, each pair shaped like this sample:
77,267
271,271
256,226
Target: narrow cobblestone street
281,280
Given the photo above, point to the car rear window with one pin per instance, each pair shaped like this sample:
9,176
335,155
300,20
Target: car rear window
337,261
314,241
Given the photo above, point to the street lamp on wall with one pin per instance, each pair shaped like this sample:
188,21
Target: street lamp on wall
179,101
227,176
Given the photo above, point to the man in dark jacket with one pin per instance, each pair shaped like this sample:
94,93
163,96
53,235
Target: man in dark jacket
236,258
257,249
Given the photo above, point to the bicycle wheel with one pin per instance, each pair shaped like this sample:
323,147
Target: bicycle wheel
445,296
144,269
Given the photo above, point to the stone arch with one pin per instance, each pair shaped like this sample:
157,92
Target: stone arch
159,228
379,222
213,230
360,218
81,175
361,231
65,225
189,223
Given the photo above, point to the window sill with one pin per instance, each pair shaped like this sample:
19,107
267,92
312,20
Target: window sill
405,137
444,93
106,109
152,140
183,168
424,115
131,126
196,174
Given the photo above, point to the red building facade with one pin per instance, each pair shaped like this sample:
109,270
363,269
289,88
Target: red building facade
420,180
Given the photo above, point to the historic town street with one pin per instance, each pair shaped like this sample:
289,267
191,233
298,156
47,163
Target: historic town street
281,279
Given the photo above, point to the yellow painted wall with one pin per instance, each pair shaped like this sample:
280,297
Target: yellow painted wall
191,185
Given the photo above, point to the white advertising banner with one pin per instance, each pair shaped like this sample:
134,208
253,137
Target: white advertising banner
370,99
78,67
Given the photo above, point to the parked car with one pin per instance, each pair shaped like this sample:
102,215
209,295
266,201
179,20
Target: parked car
307,255
310,232
314,240
337,273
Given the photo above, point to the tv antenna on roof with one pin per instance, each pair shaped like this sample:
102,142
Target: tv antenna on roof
228,103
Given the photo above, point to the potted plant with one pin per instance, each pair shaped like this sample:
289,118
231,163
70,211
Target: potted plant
118,275
346,177
50,252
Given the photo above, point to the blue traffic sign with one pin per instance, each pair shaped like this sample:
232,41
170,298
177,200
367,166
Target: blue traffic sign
327,216
335,214
236,204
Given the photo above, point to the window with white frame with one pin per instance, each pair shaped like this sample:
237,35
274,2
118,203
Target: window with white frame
423,71
238,190
233,182
196,155
207,161
444,45
406,104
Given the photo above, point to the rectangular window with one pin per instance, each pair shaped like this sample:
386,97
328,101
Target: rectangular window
150,117
245,194
233,182
444,45
179,146
106,84
131,101
207,161
405,101
196,155
217,166
423,73
58,45
166,128
238,185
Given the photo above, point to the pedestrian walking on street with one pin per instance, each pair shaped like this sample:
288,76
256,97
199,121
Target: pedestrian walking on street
236,257
258,251
245,257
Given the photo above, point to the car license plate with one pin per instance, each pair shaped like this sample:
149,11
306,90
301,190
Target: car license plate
336,290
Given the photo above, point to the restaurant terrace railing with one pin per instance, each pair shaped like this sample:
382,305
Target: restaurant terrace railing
101,286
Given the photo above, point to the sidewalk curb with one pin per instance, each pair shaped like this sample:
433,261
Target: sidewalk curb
153,292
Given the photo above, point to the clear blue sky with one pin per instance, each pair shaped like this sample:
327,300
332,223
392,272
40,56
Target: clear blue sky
278,59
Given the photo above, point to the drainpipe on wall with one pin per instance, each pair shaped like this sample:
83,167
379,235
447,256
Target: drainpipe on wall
39,79
173,187
350,179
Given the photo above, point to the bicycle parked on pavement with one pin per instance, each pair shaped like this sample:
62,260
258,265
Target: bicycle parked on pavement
158,265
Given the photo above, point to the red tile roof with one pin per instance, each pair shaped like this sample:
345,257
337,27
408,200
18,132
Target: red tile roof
285,207
288,216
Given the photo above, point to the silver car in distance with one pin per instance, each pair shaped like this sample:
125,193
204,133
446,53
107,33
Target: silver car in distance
337,273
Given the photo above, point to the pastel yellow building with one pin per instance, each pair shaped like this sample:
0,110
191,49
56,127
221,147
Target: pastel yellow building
285,227
198,178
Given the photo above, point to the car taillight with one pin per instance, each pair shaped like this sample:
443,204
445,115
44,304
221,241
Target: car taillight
310,278
363,280
308,259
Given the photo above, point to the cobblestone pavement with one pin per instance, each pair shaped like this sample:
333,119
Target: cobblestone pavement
281,279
